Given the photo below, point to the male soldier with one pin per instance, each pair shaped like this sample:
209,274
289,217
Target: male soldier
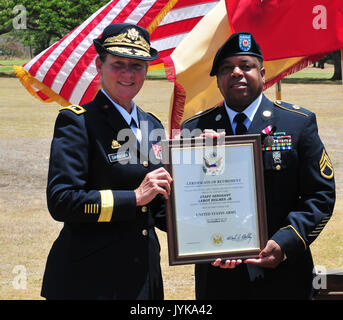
298,175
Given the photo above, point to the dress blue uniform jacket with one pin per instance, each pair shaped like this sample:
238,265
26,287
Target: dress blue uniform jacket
300,196
108,248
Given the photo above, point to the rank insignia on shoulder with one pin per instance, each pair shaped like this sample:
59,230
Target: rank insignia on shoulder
326,168
76,109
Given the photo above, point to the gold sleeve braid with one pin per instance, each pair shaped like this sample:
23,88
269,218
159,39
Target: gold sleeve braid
106,206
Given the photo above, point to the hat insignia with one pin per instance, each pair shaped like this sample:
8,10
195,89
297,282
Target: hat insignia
130,42
244,42
133,34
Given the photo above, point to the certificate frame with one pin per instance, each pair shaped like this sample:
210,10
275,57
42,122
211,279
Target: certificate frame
175,212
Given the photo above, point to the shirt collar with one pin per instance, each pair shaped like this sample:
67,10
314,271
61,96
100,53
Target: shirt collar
127,116
249,111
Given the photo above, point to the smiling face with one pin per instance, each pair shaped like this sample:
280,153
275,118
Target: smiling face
122,78
240,79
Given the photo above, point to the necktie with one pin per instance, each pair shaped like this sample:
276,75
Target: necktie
253,271
135,129
239,119
133,123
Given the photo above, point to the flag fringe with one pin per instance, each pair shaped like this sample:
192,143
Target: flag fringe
154,24
178,98
32,85
303,63
156,67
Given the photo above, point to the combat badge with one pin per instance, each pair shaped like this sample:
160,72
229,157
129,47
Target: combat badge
326,168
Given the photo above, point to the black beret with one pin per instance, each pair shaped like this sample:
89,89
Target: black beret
239,43
126,40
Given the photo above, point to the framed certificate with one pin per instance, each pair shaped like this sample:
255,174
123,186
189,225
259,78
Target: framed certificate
216,208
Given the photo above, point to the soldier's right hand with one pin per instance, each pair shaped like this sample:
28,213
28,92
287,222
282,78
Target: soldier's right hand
157,181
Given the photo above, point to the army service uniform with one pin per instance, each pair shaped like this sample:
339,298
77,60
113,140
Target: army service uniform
108,248
300,196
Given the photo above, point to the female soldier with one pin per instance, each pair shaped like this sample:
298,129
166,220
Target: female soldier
106,185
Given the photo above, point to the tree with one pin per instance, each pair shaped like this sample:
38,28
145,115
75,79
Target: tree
45,21
336,57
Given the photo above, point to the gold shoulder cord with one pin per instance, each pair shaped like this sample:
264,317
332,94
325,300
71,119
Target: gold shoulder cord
278,104
202,113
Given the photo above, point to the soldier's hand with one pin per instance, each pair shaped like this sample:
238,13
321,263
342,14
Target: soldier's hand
155,182
209,133
270,257
226,264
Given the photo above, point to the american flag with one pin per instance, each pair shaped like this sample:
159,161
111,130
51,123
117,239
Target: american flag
65,72
183,17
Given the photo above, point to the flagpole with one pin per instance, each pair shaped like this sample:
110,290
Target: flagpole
278,90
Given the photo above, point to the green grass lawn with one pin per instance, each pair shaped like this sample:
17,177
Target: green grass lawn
6,66
306,75
6,69
157,74
310,75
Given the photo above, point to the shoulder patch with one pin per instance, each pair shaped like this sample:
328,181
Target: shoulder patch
289,107
155,116
200,114
75,108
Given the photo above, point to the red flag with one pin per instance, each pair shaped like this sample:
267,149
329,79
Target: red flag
293,34
289,28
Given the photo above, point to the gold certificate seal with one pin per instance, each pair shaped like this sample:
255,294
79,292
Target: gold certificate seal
217,239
